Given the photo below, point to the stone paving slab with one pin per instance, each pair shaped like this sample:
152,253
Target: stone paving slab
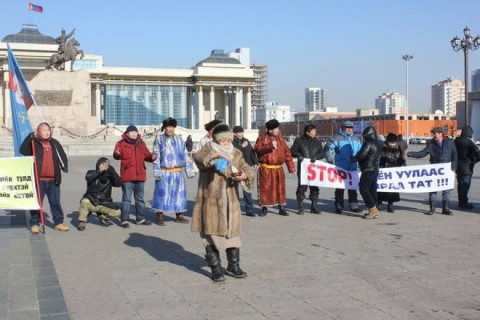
405,265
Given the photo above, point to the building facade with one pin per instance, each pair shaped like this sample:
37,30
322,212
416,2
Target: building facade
446,94
216,87
315,99
271,110
391,103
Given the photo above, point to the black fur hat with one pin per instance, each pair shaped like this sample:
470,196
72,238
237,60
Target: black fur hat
170,122
222,131
272,124
209,126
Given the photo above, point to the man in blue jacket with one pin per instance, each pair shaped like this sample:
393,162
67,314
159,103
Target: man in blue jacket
342,147
441,150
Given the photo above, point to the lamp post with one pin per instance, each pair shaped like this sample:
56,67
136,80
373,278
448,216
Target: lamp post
229,91
407,58
465,44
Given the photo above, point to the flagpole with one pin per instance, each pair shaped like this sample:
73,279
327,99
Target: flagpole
37,183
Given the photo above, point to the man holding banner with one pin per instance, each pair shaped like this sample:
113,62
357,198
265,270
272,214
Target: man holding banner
344,146
50,159
307,146
441,150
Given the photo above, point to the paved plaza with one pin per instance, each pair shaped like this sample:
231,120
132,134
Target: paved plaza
403,265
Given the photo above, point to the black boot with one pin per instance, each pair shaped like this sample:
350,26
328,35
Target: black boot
313,208
301,211
390,207
264,212
282,211
233,268
213,260
445,209
432,207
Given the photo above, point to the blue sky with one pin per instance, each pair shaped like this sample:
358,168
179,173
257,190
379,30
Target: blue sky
351,48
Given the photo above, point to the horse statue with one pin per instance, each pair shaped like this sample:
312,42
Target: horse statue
58,60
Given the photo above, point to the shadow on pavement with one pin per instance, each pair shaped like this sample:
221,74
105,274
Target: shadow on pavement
164,250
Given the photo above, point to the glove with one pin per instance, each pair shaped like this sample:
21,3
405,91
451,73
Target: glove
300,159
313,159
222,164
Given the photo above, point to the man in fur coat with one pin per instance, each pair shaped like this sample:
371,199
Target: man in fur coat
217,213
272,152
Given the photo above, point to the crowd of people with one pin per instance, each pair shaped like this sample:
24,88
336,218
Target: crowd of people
225,161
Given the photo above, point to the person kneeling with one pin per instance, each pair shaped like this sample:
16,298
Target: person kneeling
98,197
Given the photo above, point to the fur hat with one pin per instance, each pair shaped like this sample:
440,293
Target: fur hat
237,129
131,128
272,124
392,137
209,126
437,130
170,122
222,131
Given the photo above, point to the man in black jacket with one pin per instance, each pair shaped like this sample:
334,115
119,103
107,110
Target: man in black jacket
98,197
307,146
468,155
368,159
441,150
242,144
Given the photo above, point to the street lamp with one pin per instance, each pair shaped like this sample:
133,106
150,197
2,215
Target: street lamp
229,91
465,44
407,58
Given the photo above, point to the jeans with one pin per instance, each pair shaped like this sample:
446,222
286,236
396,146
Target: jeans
463,187
52,191
137,187
432,196
247,198
352,197
368,188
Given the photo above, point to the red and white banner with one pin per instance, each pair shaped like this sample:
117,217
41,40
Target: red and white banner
409,179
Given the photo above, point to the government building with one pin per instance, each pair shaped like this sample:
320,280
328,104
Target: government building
95,95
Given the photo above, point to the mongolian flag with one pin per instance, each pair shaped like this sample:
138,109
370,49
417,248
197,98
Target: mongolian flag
35,8
20,99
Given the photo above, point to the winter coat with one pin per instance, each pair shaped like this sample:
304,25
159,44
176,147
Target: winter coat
307,147
439,154
369,155
60,161
392,155
217,206
132,157
271,180
248,153
344,147
99,186
468,152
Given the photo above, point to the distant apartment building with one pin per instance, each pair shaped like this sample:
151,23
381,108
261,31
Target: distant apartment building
475,80
315,99
260,93
242,55
271,110
446,94
390,103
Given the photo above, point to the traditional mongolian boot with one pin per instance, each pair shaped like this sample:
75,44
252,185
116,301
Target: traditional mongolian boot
432,207
213,260
445,209
160,221
233,268
372,213
301,211
390,207
282,211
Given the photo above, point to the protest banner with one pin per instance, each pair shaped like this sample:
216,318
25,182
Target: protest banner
409,179
17,184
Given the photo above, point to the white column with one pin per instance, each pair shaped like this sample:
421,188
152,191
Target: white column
237,107
200,107
212,103
247,108
226,113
